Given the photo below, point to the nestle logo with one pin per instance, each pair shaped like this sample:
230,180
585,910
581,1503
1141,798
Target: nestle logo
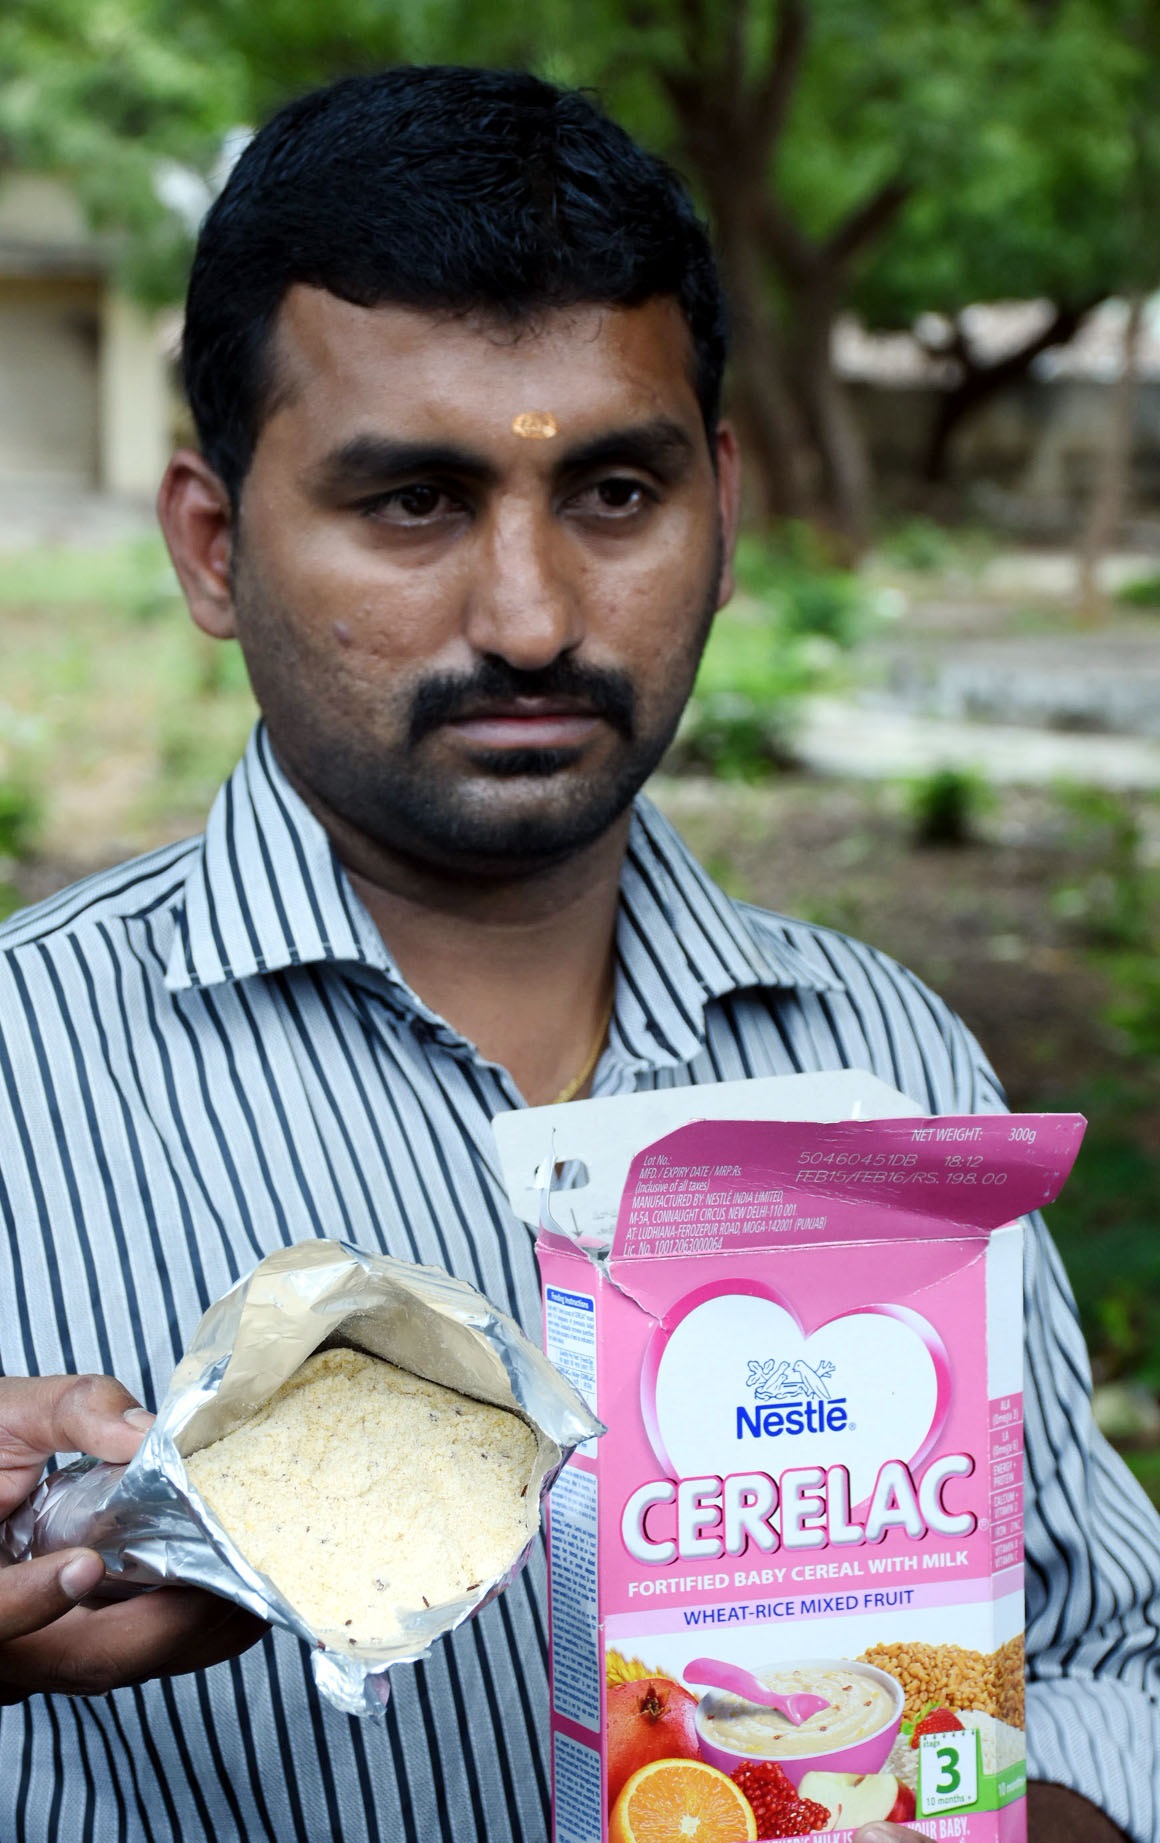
809,1417
790,1398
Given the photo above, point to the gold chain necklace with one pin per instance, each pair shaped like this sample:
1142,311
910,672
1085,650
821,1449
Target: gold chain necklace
571,1089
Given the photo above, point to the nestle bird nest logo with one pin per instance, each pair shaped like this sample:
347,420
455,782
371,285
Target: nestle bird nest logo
790,1398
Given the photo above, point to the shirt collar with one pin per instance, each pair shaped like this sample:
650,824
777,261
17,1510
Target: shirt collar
682,941
265,891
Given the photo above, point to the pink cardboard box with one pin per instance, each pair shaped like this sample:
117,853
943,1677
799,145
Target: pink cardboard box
805,1340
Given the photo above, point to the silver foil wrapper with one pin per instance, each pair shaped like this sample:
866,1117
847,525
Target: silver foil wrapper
150,1524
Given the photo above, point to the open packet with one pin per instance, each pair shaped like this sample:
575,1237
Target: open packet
152,1524
786,1589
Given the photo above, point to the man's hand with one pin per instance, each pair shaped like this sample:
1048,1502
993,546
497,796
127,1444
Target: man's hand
47,1640
1054,1815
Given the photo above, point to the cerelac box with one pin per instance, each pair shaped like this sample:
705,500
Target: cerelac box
786,1589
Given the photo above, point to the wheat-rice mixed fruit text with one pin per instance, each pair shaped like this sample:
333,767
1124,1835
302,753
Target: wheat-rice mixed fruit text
365,1492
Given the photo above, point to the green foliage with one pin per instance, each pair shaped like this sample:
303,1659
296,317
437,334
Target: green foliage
21,794
105,92
946,805
1104,1224
1115,906
794,574
21,811
150,591
1146,1466
1141,592
735,738
1134,1009
924,547
1033,129
725,872
782,639
203,717
134,576
1020,129
920,545
118,712
1115,911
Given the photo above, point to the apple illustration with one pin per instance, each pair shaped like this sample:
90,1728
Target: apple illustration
853,1799
903,1808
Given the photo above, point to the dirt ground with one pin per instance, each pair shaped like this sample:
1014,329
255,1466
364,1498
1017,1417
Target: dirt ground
975,921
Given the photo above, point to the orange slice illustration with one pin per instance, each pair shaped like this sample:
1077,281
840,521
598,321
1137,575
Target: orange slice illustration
681,1801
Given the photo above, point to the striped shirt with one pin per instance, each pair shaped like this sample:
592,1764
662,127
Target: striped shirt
208,1053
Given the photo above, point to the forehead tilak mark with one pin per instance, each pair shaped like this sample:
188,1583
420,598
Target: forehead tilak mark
535,425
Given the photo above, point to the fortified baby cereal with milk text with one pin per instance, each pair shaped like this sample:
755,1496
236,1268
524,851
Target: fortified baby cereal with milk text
786,1586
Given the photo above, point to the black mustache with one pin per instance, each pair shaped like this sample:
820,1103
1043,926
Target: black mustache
443,699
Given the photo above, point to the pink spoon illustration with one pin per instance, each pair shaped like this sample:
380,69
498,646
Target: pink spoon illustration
714,1675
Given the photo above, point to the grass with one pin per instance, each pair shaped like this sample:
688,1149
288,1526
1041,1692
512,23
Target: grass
946,805
1105,1221
20,814
1104,1225
784,636
115,713
1141,591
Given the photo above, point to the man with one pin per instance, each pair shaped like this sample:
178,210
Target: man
454,349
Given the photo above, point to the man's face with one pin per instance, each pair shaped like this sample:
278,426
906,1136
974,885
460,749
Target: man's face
472,644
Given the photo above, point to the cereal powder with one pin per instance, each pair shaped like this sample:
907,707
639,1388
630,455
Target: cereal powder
366,1493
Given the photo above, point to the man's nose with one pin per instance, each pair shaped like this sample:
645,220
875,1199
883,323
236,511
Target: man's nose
525,602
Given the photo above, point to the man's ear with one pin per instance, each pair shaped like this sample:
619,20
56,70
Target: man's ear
729,503
194,511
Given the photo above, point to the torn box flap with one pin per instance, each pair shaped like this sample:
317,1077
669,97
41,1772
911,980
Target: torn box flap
744,1186
589,1145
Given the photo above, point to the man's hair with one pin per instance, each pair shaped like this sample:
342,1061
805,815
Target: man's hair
440,188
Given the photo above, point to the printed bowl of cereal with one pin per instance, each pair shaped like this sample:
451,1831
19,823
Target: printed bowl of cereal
854,1733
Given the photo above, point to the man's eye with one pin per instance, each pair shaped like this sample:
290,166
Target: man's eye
414,504
619,493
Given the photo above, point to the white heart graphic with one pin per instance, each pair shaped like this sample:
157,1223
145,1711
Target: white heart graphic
743,1350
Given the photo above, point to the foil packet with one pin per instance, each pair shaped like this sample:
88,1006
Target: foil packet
149,1523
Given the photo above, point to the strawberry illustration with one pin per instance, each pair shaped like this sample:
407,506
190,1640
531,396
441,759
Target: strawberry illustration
939,1721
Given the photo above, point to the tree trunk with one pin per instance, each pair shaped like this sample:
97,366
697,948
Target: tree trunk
777,460
955,407
808,449
845,499
980,383
776,444
776,441
1110,490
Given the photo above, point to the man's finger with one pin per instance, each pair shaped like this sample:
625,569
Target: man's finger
35,1593
888,1833
203,1631
40,1415
93,1649
171,1631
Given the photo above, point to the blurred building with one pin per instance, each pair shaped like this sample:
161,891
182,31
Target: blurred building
1038,442
84,392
